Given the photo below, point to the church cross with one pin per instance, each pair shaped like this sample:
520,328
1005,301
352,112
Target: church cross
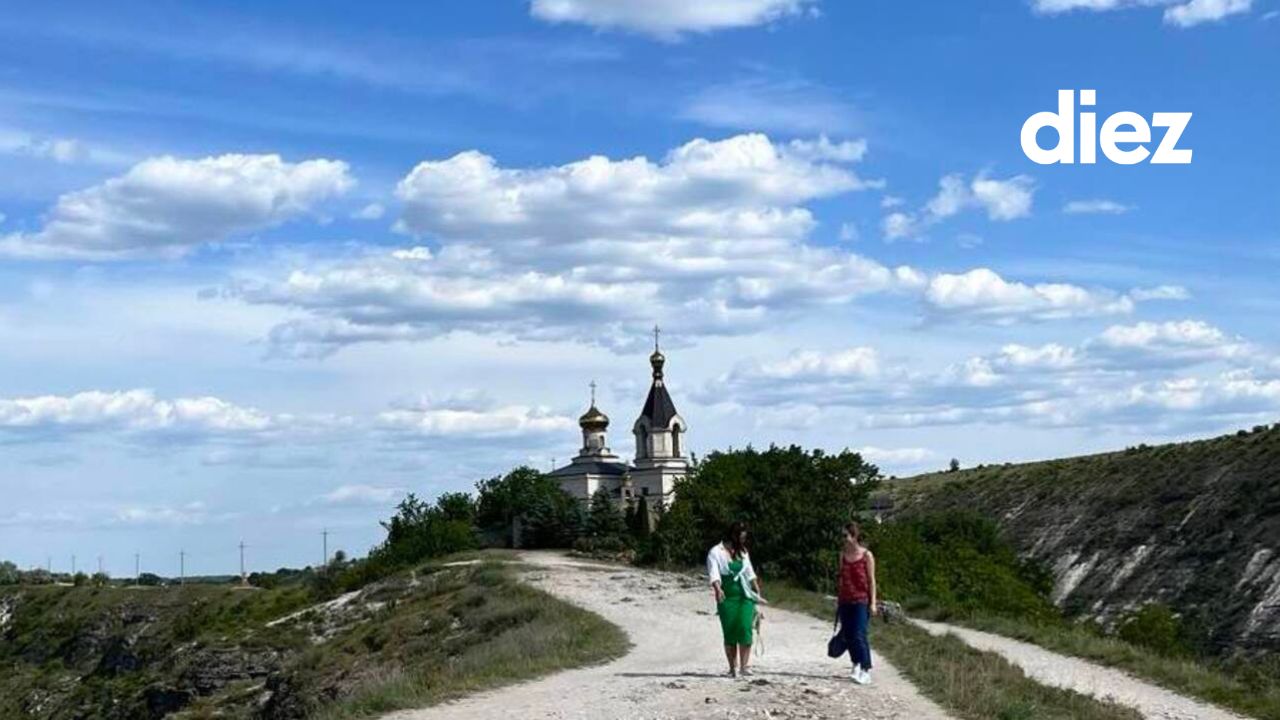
656,332
593,393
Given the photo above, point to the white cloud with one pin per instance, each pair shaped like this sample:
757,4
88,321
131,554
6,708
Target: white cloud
166,207
983,294
140,415
1161,292
1095,207
1002,200
668,19
711,239
1196,12
741,186
362,495
509,421
1176,342
790,106
190,514
372,211
1182,13
1144,378
897,457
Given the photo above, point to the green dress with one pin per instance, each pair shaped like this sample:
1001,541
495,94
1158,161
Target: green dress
737,611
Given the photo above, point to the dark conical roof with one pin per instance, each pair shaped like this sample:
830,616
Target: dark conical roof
658,408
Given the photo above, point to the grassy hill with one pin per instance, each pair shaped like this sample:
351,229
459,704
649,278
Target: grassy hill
215,651
1194,526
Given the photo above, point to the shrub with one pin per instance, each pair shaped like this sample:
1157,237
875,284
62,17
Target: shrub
795,503
957,562
1157,628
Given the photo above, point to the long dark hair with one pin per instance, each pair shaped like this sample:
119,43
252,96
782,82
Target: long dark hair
733,538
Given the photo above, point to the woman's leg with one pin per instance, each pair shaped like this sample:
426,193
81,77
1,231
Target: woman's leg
731,653
848,630
744,656
860,649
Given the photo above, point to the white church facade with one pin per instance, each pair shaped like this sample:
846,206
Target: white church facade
660,457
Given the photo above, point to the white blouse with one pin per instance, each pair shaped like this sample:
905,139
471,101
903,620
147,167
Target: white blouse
718,559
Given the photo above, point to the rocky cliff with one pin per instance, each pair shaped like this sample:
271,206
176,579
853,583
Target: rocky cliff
1193,525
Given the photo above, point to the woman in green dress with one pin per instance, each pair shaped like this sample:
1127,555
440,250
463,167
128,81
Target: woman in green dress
737,590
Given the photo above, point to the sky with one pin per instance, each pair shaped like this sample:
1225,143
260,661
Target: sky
265,268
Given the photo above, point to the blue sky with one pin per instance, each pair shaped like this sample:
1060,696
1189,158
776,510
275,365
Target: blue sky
264,269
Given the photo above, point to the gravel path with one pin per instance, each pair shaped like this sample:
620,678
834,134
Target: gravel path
1087,678
674,669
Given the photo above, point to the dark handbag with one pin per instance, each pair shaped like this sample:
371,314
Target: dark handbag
836,646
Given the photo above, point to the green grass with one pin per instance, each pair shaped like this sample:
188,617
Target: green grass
1248,688
414,639
474,629
969,683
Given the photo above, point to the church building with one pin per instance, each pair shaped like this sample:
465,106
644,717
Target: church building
660,457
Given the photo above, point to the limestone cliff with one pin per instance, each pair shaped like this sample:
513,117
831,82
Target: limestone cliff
1193,525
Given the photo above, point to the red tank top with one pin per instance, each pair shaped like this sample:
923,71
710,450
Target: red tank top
855,584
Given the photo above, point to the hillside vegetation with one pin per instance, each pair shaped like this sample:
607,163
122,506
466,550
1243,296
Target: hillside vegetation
1192,527
407,640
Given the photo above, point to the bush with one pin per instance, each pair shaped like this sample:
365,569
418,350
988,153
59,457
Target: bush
1157,628
958,563
551,517
795,503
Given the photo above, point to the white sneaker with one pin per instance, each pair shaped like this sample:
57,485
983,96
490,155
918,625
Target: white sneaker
860,676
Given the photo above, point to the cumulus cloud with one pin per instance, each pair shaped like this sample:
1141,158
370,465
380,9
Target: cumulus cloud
469,415
1172,376
1002,200
1095,207
668,19
166,207
1182,13
141,415
362,495
984,294
897,457
711,239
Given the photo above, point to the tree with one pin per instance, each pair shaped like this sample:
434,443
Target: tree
954,466
604,520
552,517
795,503
9,574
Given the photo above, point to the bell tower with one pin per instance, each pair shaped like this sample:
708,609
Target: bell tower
661,454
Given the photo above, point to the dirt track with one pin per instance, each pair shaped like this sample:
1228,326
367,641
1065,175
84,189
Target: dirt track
675,669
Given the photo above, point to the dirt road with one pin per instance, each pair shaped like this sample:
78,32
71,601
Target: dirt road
675,669
1050,668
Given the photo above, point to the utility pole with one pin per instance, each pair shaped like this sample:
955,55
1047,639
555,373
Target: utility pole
244,579
73,568
324,564
182,567
137,568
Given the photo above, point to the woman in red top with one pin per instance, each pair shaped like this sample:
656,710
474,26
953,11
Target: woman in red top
857,600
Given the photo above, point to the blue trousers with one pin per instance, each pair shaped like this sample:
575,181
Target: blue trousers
854,618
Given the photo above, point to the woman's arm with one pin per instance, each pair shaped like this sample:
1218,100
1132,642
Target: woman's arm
871,577
713,576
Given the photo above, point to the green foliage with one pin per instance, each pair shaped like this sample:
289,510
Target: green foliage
549,516
794,501
1157,628
957,561
9,574
604,520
